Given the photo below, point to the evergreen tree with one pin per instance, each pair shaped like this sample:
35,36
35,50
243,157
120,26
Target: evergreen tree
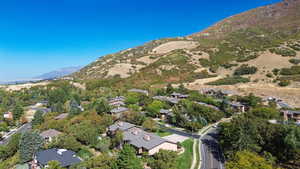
127,159
38,118
30,143
18,112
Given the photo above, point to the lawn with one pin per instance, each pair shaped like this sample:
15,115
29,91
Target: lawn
162,133
185,160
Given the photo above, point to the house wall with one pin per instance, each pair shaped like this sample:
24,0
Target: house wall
164,146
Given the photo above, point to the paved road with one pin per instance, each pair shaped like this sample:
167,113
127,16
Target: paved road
211,154
179,132
22,129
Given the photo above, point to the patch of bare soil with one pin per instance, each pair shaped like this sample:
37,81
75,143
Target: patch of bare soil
123,69
23,86
170,46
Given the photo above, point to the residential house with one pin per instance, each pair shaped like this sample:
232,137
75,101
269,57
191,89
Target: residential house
179,95
118,111
139,91
291,115
8,115
165,113
143,141
283,105
117,101
50,134
167,99
61,116
208,105
237,106
66,158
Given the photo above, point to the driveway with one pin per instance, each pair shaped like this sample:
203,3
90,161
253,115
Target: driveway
175,138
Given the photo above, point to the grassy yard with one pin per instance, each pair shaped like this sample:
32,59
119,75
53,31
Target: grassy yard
185,160
162,133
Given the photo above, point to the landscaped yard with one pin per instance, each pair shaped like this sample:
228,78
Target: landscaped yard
163,133
185,160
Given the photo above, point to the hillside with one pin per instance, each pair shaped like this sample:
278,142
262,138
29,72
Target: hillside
260,46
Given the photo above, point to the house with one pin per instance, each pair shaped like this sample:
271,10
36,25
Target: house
208,105
217,92
66,158
165,113
179,95
291,115
8,115
167,99
117,101
118,111
143,141
139,91
283,105
50,134
237,106
61,116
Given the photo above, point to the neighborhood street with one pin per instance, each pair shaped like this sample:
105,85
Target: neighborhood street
211,154
22,129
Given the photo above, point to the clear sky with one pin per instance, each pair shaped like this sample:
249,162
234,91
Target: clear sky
38,36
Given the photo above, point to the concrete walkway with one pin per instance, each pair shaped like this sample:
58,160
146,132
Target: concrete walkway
194,154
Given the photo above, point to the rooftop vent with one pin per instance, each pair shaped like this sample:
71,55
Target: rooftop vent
60,151
147,138
135,132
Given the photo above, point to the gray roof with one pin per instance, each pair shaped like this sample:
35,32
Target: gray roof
117,99
235,104
117,103
142,139
64,157
61,116
174,94
164,111
284,105
208,105
167,99
119,110
139,91
122,126
293,111
50,133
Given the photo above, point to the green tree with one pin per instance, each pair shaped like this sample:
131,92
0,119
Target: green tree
18,112
103,161
117,140
38,118
154,108
74,108
85,132
150,124
54,165
169,89
127,159
101,106
248,160
30,143
164,159
67,142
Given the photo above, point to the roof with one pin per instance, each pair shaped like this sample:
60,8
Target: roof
174,94
139,91
293,112
284,105
208,105
50,133
164,111
122,126
64,157
236,104
117,99
167,99
61,116
119,110
142,139
117,103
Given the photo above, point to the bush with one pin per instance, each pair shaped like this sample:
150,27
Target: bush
230,81
294,70
245,59
283,51
284,83
269,75
245,70
294,61
228,65
276,71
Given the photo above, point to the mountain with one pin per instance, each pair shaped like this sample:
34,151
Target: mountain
59,73
261,45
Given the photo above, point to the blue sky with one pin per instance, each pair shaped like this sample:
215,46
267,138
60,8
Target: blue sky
38,36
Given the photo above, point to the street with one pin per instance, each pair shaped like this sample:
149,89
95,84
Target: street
212,157
22,129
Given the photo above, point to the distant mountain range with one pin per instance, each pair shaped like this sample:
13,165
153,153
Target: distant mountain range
46,76
58,73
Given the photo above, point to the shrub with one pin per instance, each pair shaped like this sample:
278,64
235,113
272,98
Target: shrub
284,83
294,70
294,61
230,81
276,71
228,65
283,51
247,58
245,70
269,75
